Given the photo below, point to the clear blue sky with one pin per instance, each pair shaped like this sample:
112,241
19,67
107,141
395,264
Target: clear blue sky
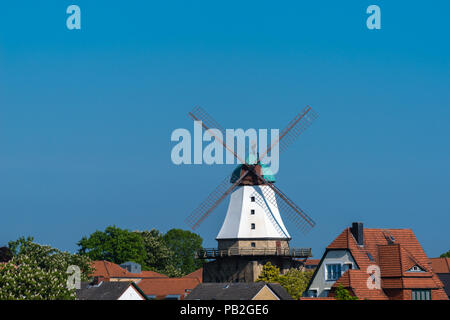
86,116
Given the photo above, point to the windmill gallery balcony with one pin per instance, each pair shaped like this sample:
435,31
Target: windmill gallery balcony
213,253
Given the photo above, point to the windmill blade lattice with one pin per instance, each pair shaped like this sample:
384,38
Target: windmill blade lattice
212,201
301,220
294,128
260,201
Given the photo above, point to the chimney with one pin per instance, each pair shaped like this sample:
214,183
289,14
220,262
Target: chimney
357,230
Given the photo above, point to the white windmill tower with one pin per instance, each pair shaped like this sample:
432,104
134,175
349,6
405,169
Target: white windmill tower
252,220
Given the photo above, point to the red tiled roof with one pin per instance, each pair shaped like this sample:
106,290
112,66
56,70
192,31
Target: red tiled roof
110,270
150,274
410,254
196,274
169,286
356,280
440,265
395,251
312,262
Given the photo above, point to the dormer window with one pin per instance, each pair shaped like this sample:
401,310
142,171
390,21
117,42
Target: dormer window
416,269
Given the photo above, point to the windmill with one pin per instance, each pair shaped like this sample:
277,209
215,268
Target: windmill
253,225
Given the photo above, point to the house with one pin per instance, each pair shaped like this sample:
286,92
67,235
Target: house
382,264
109,291
168,288
441,266
108,271
239,291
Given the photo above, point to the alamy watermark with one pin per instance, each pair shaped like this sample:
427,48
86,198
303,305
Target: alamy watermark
237,146
74,279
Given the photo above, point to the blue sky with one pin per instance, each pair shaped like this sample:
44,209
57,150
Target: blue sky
86,115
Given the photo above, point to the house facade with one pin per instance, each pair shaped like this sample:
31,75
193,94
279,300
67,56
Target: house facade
376,264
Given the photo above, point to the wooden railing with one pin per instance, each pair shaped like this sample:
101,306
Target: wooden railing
212,253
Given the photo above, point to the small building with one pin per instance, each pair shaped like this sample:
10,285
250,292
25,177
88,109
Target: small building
441,266
109,291
239,291
382,264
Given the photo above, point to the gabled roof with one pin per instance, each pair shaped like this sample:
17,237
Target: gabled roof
110,270
440,265
103,291
235,291
395,257
196,274
162,287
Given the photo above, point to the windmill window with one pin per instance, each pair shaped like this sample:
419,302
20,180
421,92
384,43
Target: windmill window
252,211
252,199
253,226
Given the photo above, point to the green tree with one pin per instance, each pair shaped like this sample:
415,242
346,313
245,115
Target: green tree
39,272
343,294
446,254
269,274
294,281
159,257
115,245
184,244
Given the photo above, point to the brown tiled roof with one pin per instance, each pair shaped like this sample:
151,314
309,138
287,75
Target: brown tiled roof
161,287
440,265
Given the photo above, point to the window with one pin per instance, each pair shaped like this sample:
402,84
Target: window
253,226
173,297
421,294
252,199
253,245
312,293
416,269
333,271
252,211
